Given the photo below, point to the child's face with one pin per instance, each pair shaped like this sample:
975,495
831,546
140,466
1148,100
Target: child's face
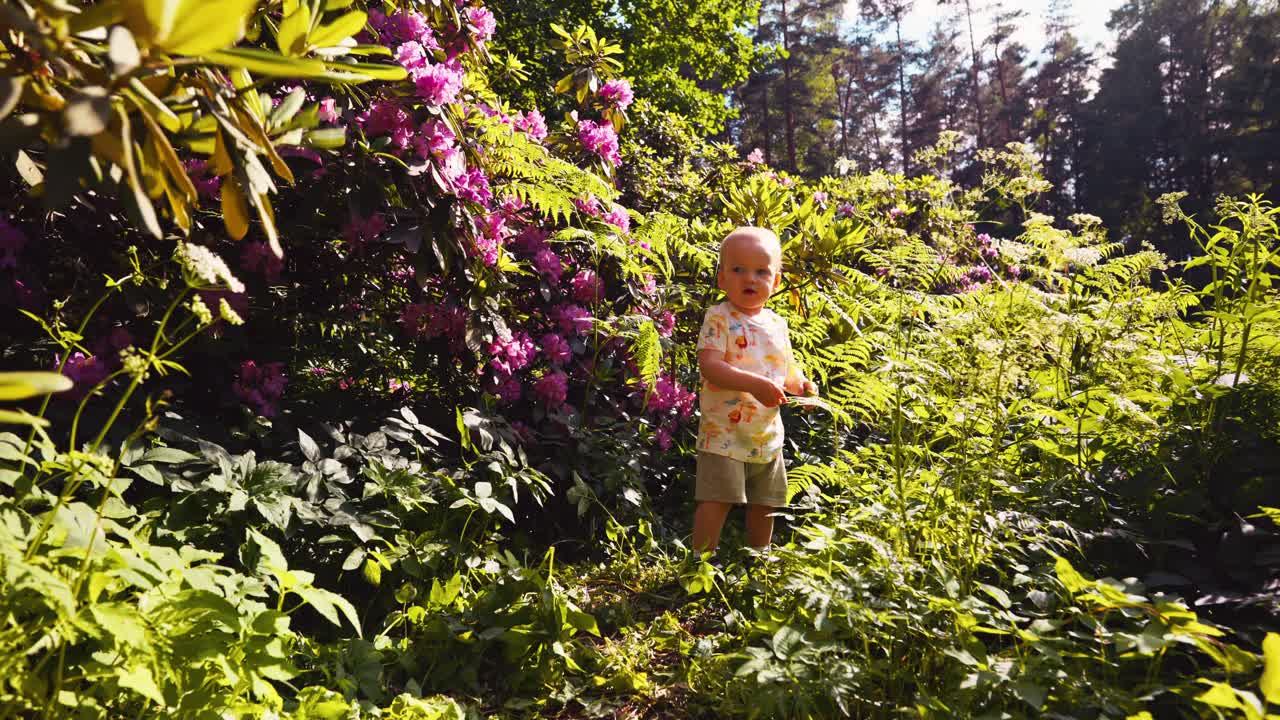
749,271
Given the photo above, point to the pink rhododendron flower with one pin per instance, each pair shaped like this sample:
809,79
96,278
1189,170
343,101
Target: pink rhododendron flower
328,110
668,394
666,323
588,206
406,26
86,371
482,24
662,438
650,285
573,319
548,265
552,388
260,386
412,56
512,355
257,257
756,156
360,231
530,239
396,386
600,140
207,186
556,349
586,287
387,118
821,197
507,389
896,212
846,210
1015,271
473,185
431,320
439,84
616,93
619,218
12,242
533,124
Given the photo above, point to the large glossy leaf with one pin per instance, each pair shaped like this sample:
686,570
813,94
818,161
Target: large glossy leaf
23,385
188,27
265,62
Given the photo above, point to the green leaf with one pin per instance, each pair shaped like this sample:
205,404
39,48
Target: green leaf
786,641
325,138
317,703
122,622
265,62
21,417
139,679
328,604
583,621
1270,682
23,385
292,37
1072,580
188,27
340,29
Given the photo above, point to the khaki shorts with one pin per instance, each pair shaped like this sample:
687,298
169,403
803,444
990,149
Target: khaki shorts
723,479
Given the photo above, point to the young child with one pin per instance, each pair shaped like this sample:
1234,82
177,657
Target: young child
747,369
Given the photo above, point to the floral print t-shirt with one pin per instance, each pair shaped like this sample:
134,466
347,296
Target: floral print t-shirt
734,423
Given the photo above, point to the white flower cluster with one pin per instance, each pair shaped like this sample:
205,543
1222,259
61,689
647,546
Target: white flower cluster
136,363
200,262
1084,220
202,312
1082,256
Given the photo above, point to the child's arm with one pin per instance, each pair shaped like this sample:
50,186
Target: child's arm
722,374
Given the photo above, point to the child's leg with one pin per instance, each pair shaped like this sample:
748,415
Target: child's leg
759,526
708,520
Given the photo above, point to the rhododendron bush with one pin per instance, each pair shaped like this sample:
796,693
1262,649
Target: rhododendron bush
354,383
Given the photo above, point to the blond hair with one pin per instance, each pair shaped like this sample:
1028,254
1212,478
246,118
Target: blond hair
764,235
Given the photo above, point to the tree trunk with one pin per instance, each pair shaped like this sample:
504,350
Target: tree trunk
902,86
977,86
787,97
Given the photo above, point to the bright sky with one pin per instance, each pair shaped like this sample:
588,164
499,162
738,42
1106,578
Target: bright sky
1091,18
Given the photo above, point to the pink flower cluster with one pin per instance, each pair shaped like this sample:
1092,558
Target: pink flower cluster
360,231
207,185
552,388
755,157
261,386
85,371
586,287
438,84
328,110
987,249
573,319
601,140
431,320
12,242
548,265
512,355
482,24
556,349
616,94
257,257
533,124
669,394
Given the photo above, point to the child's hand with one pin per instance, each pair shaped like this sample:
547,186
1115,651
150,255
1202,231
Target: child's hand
769,393
808,388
